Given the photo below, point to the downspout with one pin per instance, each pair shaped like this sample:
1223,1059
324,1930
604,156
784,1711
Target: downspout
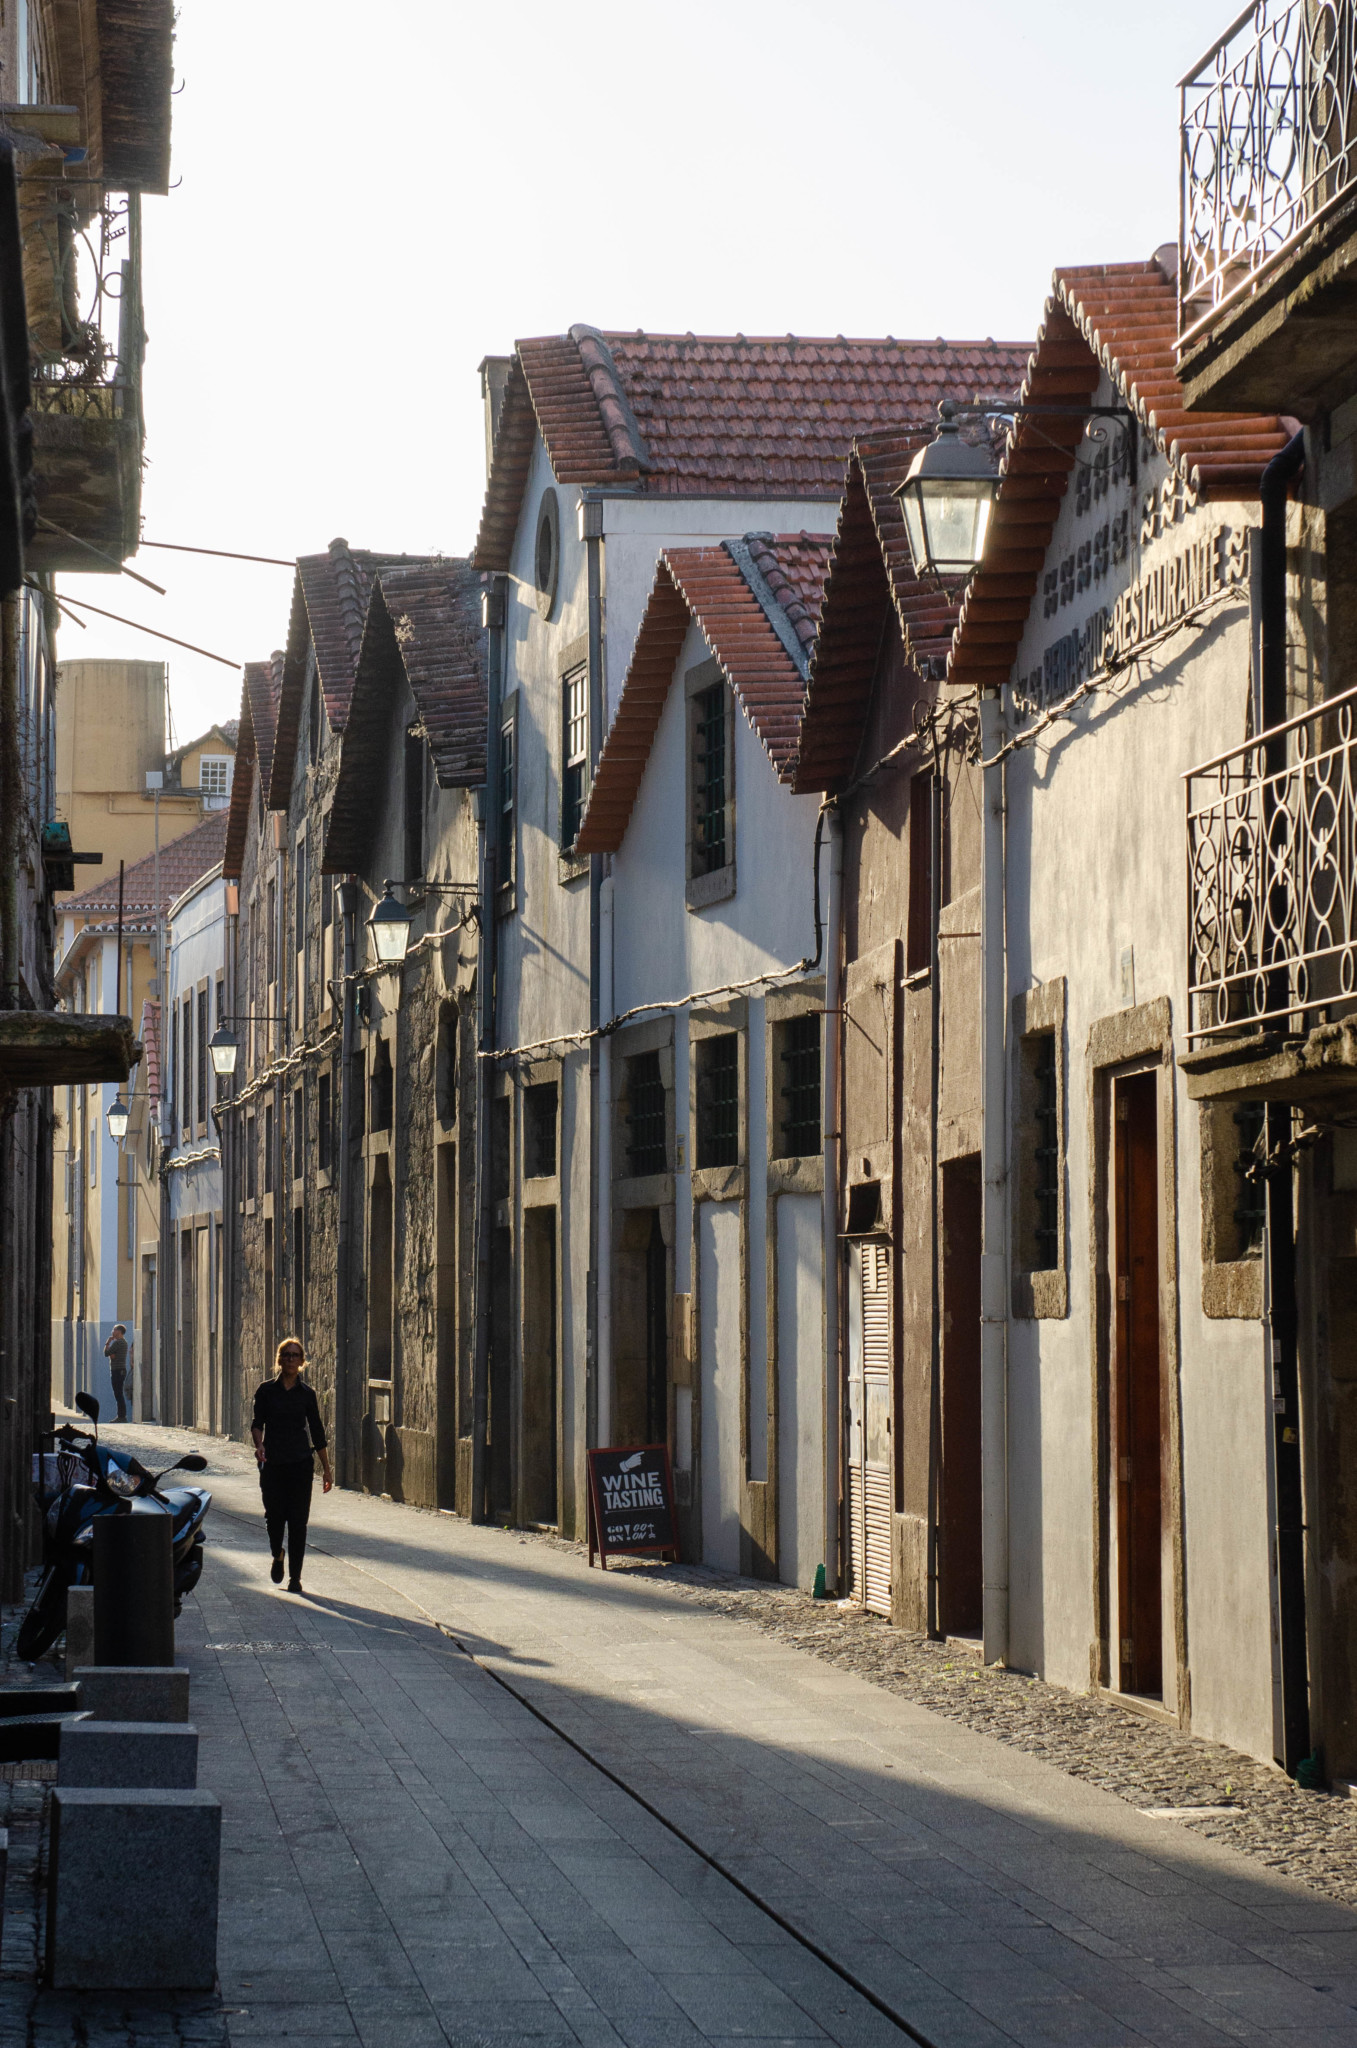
1283,1316
347,1450
835,1396
492,816
604,1373
994,1171
591,533
938,794
12,810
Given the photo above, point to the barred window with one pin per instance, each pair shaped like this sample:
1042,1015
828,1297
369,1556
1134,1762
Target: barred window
574,754
1046,1154
647,1151
709,780
718,1100
799,1063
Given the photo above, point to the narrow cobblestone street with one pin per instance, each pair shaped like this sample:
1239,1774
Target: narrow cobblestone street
475,1793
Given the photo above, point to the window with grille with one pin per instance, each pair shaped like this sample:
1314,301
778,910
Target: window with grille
718,1100
251,1158
647,1149
799,1090
1045,1154
1250,1212
539,1130
298,1134
709,780
268,1148
574,753
324,1120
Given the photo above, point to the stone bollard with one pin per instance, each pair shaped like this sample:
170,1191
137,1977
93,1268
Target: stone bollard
133,1590
131,1692
79,1628
132,1890
125,1754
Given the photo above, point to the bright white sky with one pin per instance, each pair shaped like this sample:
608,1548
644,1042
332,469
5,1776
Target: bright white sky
370,199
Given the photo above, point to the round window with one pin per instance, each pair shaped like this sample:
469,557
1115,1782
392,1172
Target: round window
548,555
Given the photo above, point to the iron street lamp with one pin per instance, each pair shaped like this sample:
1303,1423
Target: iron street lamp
117,1119
223,1049
946,500
390,926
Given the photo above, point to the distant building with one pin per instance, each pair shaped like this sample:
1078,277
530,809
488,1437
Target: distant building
106,1201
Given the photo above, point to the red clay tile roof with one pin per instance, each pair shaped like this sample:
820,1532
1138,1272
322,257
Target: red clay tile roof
710,586
423,627
183,861
149,1035
329,604
254,749
684,415
871,574
1122,318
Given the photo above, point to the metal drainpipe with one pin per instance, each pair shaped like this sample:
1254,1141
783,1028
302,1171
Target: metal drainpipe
347,1459
591,533
11,801
492,615
835,1393
994,1170
938,795
1283,1315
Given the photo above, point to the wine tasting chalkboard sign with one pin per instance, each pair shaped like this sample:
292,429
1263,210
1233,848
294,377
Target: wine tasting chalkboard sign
631,1502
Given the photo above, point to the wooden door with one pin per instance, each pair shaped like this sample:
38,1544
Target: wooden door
1140,1404
960,1551
869,1426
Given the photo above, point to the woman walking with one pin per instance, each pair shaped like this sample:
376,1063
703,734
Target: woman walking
287,1429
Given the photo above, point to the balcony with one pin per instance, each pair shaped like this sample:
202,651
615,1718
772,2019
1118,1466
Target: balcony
1272,912
1268,225
82,277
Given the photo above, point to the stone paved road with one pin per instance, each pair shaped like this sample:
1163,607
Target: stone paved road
412,1855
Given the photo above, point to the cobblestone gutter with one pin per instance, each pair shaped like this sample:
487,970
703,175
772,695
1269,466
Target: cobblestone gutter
1311,1836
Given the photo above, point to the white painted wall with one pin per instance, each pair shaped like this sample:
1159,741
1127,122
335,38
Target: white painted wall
801,1375
718,1262
1097,865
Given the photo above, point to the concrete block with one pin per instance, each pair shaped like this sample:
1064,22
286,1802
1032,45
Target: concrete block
79,1628
128,1753
134,1692
132,1890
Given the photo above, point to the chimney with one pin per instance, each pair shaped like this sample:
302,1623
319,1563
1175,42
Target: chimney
494,377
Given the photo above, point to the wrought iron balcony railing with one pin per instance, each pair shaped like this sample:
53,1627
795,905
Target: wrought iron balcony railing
1269,143
1272,877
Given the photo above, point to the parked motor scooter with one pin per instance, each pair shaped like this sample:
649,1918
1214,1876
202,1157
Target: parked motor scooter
75,1484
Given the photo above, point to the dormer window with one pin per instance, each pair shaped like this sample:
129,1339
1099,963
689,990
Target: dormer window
214,780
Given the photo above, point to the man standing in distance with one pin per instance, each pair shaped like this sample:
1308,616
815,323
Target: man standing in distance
115,1351
287,1432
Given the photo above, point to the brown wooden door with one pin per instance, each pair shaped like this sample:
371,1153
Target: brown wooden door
960,1558
1139,1404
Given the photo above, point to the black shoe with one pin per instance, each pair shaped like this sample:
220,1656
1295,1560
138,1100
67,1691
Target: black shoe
276,1570
294,1585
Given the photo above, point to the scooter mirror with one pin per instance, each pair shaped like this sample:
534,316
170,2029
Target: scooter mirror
192,1463
87,1405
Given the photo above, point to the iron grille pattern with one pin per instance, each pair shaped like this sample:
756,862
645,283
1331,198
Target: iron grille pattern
1268,142
1047,1157
801,1087
718,1101
647,1151
1272,875
709,780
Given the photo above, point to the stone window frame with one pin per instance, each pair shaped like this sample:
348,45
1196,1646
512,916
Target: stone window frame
1039,1293
647,1190
1232,1288
700,891
802,1172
